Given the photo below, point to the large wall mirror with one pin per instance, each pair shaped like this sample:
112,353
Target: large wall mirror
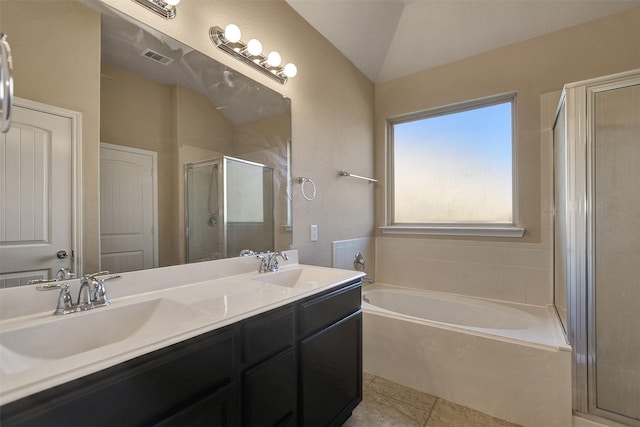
195,157
221,142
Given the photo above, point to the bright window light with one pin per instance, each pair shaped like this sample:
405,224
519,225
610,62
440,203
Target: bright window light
454,165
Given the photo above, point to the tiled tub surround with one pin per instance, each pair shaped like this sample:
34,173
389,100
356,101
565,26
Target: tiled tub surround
344,253
520,372
220,292
516,272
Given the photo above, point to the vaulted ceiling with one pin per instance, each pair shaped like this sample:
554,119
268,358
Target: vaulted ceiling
387,39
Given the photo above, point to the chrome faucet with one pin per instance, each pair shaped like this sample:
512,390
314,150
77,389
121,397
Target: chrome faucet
65,273
92,292
84,295
269,261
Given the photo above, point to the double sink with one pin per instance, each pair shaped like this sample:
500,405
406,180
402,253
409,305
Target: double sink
133,322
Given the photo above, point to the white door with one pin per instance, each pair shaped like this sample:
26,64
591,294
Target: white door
36,160
128,218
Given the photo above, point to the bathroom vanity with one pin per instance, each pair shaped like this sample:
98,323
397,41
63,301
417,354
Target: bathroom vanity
296,360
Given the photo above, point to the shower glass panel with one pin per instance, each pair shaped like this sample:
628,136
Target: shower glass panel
597,242
229,208
560,218
248,206
616,264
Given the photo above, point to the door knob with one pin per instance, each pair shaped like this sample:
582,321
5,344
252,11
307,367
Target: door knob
62,254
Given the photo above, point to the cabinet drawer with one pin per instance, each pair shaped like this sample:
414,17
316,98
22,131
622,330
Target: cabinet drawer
268,334
320,312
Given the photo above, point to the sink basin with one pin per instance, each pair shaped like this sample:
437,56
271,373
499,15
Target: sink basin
77,333
300,276
287,278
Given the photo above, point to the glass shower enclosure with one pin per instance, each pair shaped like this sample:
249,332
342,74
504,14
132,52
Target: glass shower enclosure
229,207
597,241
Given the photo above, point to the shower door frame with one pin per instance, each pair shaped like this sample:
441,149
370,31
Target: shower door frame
209,162
579,101
222,215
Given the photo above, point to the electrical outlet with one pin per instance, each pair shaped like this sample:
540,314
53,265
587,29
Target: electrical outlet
313,233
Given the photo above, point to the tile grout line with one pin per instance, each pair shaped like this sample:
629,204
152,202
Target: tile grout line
392,397
431,411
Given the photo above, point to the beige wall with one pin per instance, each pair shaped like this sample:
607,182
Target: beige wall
56,66
517,269
199,124
531,68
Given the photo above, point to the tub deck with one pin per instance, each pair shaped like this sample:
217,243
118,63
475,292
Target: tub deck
534,325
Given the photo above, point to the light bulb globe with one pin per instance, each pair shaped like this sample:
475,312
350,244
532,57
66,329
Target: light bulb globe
274,59
172,2
254,47
232,33
290,70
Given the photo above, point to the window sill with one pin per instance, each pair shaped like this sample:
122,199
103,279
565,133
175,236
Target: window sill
455,230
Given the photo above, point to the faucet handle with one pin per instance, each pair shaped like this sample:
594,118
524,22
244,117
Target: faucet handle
99,273
65,302
99,292
272,264
264,261
65,273
45,284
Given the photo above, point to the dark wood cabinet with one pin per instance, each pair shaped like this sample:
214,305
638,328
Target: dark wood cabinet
300,364
142,391
219,408
269,380
331,358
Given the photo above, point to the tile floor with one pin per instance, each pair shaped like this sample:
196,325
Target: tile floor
388,404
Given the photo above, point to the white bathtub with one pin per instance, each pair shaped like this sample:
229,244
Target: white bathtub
507,360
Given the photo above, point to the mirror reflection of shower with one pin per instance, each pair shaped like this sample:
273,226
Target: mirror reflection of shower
213,197
229,207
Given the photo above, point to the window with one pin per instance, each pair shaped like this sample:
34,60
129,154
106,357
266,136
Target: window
452,169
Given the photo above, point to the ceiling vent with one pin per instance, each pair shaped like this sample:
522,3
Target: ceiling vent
155,56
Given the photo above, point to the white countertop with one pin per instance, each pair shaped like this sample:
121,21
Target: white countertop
188,309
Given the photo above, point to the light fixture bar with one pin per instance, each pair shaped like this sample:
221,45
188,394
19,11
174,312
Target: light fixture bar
167,11
239,51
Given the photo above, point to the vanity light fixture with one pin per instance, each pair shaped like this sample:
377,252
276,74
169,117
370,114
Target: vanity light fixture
229,40
164,8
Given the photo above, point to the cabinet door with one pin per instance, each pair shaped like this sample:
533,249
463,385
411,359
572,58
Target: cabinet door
331,373
270,392
214,410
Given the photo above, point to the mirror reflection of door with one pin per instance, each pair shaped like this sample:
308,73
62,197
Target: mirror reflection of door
36,160
128,208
